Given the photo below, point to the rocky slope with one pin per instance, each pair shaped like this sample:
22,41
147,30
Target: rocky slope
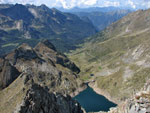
27,75
39,100
118,56
139,103
29,23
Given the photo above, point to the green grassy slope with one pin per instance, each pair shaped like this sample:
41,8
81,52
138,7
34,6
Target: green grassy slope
118,56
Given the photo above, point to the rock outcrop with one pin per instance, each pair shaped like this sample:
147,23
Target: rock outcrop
48,51
8,73
32,81
39,100
139,103
49,67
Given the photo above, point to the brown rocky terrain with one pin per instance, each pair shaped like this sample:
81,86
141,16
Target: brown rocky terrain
27,75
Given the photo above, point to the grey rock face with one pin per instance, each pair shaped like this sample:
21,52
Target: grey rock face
64,61
47,50
8,74
39,100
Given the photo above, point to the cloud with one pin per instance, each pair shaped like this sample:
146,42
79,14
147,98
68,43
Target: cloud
90,2
147,3
74,3
65,3
84,3
109,3
132,4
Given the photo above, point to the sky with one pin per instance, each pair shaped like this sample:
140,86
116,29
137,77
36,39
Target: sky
135,4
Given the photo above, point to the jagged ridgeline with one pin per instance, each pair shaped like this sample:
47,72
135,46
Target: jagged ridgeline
27,75
29,23
118,57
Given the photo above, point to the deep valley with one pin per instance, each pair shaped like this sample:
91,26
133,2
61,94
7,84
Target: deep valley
75,60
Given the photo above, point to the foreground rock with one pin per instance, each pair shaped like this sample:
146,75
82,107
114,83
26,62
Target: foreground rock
140,103
39,100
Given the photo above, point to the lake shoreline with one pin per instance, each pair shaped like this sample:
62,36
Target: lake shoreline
78,90
92,101
93,85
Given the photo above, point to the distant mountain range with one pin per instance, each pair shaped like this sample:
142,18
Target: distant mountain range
101,20
94,9
101,17
30,24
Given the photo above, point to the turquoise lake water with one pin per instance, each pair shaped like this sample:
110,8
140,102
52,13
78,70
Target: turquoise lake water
91,101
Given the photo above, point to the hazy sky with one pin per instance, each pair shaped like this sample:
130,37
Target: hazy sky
84,3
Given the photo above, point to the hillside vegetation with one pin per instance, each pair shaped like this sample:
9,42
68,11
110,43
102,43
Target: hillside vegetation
119,56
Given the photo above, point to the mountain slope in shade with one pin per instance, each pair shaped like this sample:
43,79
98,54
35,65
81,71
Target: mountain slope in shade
101,20
30,24
118,56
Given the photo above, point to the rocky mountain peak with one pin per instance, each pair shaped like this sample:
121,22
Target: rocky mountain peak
44,7
17,12
23,53
48,44
25,47
46,65
48,51
26,52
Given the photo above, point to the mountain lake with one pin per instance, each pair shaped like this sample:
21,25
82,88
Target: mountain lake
93,102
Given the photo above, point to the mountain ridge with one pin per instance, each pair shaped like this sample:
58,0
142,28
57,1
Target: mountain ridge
28,74
32,23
